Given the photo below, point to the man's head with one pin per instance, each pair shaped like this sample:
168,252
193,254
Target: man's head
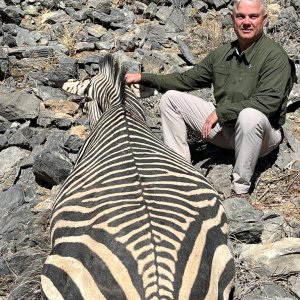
249,17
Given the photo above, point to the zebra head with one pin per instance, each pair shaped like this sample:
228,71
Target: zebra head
105,90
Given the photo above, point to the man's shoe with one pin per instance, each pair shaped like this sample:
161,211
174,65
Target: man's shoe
244,196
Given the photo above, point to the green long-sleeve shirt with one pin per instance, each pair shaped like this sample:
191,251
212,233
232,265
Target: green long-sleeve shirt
259,77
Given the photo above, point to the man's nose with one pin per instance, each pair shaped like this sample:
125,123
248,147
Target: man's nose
247,20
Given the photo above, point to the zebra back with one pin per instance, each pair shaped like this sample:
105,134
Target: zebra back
134,220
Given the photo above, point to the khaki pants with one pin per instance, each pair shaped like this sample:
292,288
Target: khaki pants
251,137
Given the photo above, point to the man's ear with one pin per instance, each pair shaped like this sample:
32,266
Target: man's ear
265,18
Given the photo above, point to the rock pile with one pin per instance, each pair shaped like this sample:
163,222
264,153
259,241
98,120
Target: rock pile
44,43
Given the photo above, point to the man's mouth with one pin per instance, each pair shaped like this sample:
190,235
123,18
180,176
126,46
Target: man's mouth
246,30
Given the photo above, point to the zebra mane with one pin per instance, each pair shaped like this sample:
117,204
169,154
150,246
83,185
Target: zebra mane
112,69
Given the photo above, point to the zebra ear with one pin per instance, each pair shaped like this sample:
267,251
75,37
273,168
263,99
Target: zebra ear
76,87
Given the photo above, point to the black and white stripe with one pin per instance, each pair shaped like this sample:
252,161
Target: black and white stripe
134,220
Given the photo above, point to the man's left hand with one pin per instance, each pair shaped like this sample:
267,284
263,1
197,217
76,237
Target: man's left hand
210,122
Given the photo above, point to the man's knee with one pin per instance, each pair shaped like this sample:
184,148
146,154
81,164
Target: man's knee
166,101
250,119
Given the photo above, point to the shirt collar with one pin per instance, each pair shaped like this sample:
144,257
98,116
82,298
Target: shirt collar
248,53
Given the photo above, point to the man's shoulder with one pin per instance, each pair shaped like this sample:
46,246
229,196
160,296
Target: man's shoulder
268,44
223,49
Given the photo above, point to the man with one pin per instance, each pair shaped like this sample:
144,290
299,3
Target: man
251,78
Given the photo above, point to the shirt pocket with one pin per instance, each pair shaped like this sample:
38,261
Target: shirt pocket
246,82
220,78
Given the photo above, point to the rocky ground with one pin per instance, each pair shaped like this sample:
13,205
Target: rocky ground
44,43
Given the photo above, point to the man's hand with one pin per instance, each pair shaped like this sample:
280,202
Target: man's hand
133,78
210,122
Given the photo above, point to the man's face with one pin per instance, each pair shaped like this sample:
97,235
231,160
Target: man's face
248,19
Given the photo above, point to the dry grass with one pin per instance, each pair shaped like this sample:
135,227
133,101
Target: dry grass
279,190
27,283
247,280
21,69
68,38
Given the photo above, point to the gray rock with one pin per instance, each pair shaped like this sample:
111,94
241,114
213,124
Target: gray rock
8,40
163,14
37,51
81,15
276,259
96,30
12,226
293,142
245,222
175,22
200,5
107,45
3,141
126,23
66,70
178,3
28,182
11,14
27,137
10,166
269,291
103,5
220,176
63,123
54,17
55,140
5,67
127,42
19,105
25,38
150,11
73,143
139,7
10,28
52,167
288,14
11,199
186,52
49,93
5,272
296,4
26,282
98,17
294,283
274,228
2,4
217,4
289,161
155,35
84,46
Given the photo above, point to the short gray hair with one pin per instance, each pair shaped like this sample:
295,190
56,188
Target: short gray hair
236,3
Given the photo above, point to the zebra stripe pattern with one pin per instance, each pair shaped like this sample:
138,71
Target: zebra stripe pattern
134,220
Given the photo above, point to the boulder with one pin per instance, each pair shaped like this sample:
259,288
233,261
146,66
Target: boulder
277,259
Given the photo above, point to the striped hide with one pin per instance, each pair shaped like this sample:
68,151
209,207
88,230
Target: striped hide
134,220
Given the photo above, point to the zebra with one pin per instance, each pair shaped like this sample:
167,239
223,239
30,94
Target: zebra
134,220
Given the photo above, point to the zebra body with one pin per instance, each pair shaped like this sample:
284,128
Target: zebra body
134,220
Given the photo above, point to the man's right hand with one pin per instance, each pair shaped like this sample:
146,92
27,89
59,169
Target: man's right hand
133,78
210,123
